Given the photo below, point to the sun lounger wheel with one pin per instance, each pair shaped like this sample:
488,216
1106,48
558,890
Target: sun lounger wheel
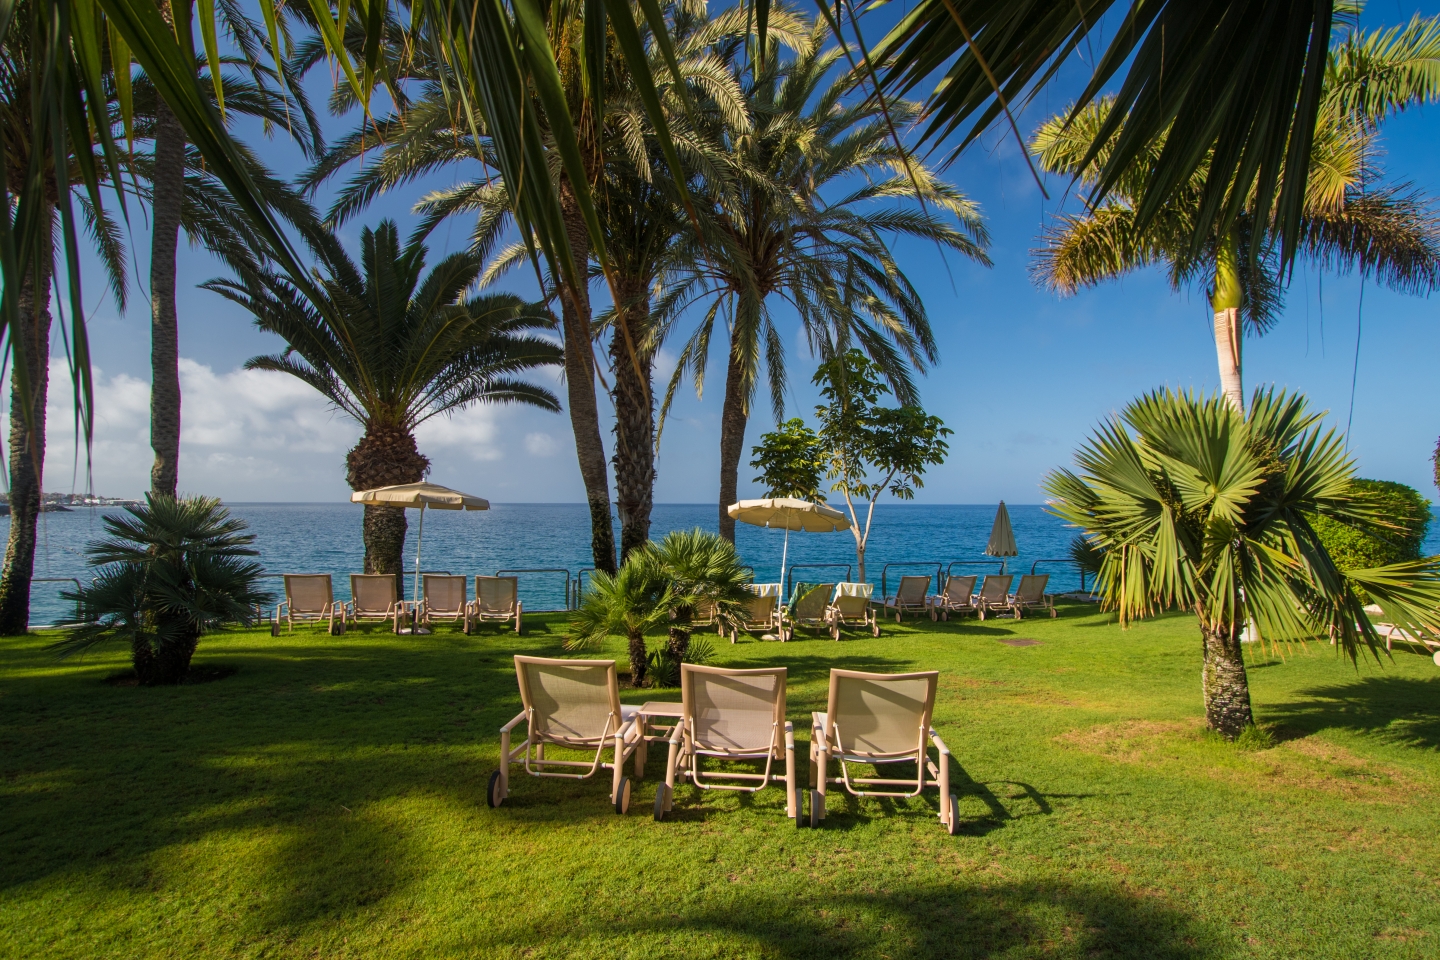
953,827
660,803
622,799
492,792
799,806
817,808
1437,658
275,629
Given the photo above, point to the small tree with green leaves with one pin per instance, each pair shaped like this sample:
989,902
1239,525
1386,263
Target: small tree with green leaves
872,449
792,462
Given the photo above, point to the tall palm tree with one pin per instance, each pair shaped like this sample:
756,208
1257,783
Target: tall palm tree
1349,223
1198,506
816,187
392,347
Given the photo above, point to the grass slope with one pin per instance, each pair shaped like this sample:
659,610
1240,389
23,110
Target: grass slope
328,801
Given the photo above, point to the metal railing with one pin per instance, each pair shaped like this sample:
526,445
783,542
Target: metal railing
1062,560
560,570
972,563
885,570
574,601
790,579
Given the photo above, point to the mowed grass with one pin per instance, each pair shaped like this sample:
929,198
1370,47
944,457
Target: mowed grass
328,800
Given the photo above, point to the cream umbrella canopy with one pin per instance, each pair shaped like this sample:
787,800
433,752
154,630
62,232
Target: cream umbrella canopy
420,495
1002,535
788,513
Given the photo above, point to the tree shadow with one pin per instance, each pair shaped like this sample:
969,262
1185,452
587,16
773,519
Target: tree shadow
1399,709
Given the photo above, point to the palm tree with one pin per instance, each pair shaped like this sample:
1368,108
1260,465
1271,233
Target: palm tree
661,585
171,572
1349,223
392,347
802,218
1198,506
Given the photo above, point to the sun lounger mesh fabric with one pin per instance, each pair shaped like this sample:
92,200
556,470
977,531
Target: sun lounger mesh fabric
879,717
372,593
495,594
912,589
734,713
759,609
445,594
811,604
1032,586
959,589
571,701
308,593
995,586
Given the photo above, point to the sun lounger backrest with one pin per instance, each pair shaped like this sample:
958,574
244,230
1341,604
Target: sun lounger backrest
851,599
995,587
912,589
572,700
1032,586
880,714
372,592
496,594
733,710
959,589
759,609
811,605
445,594
308,592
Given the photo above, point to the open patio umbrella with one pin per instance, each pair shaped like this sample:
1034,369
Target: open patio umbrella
421,495
1002,536
788,513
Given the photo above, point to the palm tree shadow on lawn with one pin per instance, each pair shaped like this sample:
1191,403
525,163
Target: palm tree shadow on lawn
1402,709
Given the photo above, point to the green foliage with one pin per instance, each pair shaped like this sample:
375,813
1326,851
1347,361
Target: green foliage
791,461
169,573
1360,548
1254,738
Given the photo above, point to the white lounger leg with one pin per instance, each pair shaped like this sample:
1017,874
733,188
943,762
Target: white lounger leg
790,783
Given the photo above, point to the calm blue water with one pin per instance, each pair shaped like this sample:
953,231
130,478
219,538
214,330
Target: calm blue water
325,538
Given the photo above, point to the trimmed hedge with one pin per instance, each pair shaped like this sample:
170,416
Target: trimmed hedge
1352,549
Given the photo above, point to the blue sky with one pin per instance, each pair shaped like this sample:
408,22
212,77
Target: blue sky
1023,376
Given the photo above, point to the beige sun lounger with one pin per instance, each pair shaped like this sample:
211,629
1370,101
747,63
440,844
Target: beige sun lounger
497,599
446,599
573,704
852,608
1394,634
1031,594
909,597
879,718
309,599
955,598
760,613
730,715
994,593
811,611
374,598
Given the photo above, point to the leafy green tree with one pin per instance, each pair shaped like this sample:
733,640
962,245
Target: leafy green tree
661,585
791,461
1196,505
869,449
169,573
392,347
1357,548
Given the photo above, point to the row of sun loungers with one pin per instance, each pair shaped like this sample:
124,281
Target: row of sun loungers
726,715
310,598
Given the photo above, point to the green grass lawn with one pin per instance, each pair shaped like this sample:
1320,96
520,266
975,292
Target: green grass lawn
328,800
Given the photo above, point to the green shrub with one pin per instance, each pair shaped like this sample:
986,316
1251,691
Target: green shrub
1353,549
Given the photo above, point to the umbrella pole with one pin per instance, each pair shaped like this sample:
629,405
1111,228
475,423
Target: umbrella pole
784,556
419,537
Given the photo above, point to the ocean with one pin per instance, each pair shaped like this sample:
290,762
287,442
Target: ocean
553,541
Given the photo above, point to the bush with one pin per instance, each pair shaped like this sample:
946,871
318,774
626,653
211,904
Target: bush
169,573
1354,549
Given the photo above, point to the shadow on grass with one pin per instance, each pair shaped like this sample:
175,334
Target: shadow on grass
953,918
1400,709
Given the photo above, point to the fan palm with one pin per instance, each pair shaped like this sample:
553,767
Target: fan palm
1196,505
1349,223
392,347
815,188
170,572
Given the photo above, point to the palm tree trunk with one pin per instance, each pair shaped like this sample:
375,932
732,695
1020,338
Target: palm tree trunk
386,455
27,440
638,656
167,199
634,426
1227,691
580,389
1229,336
733,417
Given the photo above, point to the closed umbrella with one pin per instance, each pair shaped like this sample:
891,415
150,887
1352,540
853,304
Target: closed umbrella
420,495
1002,536
788,513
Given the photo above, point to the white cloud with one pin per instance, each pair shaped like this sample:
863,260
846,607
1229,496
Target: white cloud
541,445
475,431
